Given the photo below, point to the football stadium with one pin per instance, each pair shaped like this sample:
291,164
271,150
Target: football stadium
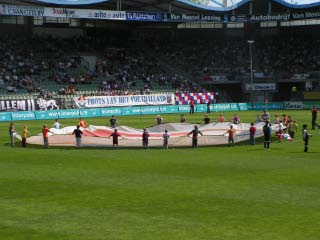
159,119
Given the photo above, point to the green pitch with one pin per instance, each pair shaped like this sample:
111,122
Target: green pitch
239,193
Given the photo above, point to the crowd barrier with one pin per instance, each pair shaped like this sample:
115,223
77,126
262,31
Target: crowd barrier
144,110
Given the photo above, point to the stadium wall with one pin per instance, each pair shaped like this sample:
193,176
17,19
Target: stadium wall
145,110
119,111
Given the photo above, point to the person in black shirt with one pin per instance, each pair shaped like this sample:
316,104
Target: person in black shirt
208,106
113,121
206,120
77,132
267,134
182,118
195,132
305,137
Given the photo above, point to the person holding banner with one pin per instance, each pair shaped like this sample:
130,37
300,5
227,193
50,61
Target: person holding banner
165,137
45,134
77,133
252,132
24,136
195,132
11,134
182,118
231,133
159,119
206,119
221,118
267,130
56,124
115,138
145,139
235,119
265,116
82,123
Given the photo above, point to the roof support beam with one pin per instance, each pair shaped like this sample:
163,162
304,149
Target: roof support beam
119,5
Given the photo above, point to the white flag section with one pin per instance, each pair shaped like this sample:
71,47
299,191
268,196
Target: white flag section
99,136
126,100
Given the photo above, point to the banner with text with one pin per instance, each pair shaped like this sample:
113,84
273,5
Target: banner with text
190,17
143,16
17,10
14,105
131,100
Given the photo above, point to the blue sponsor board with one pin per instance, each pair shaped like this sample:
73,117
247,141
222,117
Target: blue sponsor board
95,112
130,111
52,114
184,108
144,16
110,111
201,108
169,109
234,107
150,110
243,106
5,116
28,115
221,107
140,110
70,113
136,110
269,106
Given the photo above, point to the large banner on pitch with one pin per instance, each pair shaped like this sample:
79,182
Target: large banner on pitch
123,101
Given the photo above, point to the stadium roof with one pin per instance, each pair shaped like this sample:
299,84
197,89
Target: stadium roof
179,6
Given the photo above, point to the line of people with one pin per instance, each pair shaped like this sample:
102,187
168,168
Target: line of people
287,129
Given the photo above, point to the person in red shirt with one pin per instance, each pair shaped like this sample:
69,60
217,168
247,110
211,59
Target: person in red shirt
145,139
314,112
252,131
45,134
231,133
192,107
82,123
285,119
221,118
115,138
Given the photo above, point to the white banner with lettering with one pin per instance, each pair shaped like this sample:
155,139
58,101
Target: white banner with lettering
123,101
17,10
84,13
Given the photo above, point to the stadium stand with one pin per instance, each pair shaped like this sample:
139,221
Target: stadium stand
64,57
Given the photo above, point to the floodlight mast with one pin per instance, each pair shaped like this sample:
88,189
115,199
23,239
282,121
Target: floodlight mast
251,74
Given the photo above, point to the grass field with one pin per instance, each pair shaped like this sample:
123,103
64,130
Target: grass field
241,192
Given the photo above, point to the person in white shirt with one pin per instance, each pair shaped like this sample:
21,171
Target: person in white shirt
280,132
56,124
